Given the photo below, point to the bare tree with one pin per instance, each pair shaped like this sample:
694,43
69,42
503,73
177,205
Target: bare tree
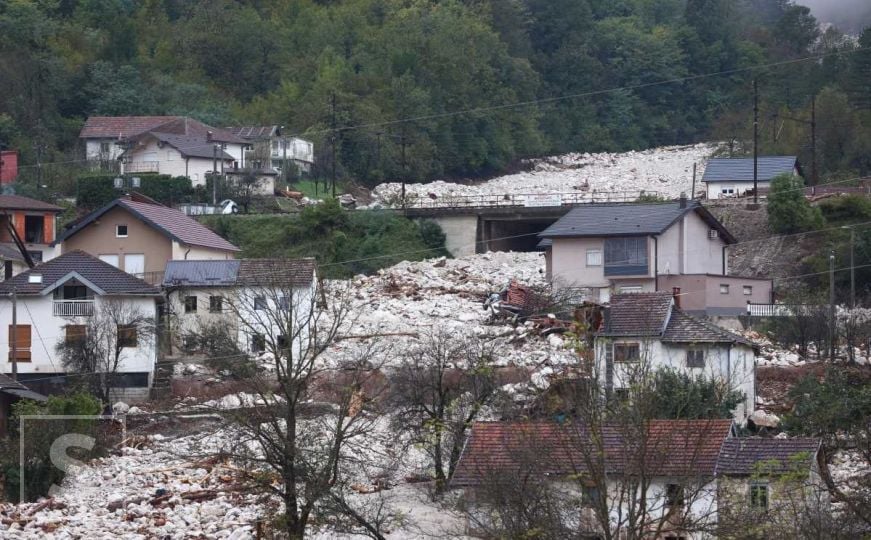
302,441
439,389
95,345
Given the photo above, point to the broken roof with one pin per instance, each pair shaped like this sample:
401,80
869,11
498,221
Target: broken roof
741,169
192,145
247,272
633,219
99,276
8,385
169,221
254,132
120,127
676,448
757,455
655,315
17,202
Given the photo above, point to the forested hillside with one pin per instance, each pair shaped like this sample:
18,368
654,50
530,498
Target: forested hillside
581,73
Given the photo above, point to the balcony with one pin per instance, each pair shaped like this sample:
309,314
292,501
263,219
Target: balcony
142,167
73,308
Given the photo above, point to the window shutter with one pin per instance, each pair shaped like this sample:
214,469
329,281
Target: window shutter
22,343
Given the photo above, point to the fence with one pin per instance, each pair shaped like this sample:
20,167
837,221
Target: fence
782,310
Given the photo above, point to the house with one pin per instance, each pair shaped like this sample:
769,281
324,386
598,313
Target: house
647,331
8,166
264,179
55,301
270,147
139,236
34,223
599,468
772,483
172,145
732,177
636,247
695,478
246,296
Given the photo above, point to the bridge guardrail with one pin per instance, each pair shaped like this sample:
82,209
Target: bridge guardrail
527,200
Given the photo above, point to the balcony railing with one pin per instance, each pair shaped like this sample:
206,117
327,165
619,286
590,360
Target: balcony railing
73,308
142,167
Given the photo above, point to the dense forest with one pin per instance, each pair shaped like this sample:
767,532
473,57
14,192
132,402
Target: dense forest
483,82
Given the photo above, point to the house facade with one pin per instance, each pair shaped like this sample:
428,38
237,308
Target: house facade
270,147
247,296
8,166
644,332
34,223
733,177
620,248
55,301
139,236
693,478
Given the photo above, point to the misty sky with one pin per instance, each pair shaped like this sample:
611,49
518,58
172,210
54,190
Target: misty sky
849,15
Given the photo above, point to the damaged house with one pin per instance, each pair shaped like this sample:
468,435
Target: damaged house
644,332
678,246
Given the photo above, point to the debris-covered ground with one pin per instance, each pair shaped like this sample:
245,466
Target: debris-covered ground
667,171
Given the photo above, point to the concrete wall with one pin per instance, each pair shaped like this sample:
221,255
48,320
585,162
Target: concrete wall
184,252
99,238
715,189
461,234
701,293
703,255
569,263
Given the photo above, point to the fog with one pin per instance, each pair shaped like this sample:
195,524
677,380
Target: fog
848,15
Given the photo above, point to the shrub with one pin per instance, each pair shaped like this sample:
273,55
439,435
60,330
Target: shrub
788,209
99,190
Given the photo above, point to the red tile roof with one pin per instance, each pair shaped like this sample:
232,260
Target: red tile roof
638,314
103,127
17,202
677,448
169,221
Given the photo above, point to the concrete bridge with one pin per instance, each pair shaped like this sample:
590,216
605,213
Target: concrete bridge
481,223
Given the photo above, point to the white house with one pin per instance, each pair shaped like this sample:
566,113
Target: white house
621,248
257,299
54,302
696,478
644,332
732,177
270,147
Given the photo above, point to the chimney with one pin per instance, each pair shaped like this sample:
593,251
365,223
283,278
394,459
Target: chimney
683,199
209,139
675,292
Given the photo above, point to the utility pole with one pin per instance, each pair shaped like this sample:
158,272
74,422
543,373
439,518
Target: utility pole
755,142
13,340
403,143
852,268
333,127
215,175
814,140
693,192
38,147
284,159
832,306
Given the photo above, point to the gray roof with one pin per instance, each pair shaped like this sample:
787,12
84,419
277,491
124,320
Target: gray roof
634,219
751,455
101,276
18,202
741,169
654,315
10,252
254,132
8,385
192,146
248,272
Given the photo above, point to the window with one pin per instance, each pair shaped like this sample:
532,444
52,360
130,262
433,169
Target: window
696,358
674,495
759,496
75,334
104,148
748,290
22,342
121,231
216,304
258,343
34,228
590,496
190,304
283,303
8,269
724,288
127,335
111,259
190,342
35,255
621,395
136,379
594,257
627,352
259,303
629,289
282,341
626,256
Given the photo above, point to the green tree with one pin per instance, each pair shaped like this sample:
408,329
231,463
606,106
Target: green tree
788,209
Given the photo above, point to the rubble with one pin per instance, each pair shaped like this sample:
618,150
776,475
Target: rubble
667,171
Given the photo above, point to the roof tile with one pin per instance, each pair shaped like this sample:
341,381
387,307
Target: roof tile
741,169
751,455
17,202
